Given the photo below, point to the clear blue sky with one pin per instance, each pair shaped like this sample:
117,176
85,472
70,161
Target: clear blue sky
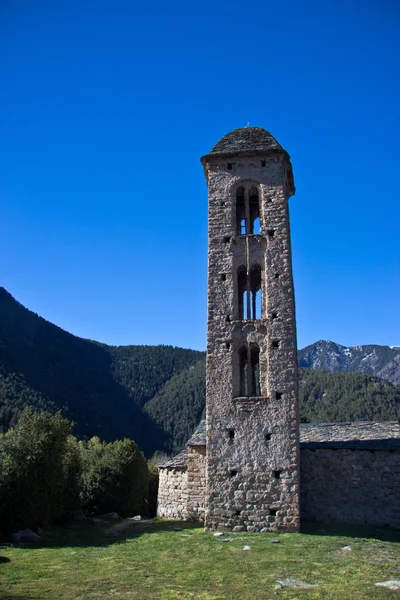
106,107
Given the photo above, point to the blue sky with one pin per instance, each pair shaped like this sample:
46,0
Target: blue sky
106,107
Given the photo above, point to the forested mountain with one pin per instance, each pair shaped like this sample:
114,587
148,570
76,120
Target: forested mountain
178,407
325,397
15,395
382,361
156,394
101,388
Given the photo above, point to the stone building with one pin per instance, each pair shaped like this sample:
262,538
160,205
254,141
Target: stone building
350,473
251,385
240,470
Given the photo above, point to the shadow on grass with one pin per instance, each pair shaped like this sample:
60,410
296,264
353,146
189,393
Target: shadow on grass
385,534
4,559
107,533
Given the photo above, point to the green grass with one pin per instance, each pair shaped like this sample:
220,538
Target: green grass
137,560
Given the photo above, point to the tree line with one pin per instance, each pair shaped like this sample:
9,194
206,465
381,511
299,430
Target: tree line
47,475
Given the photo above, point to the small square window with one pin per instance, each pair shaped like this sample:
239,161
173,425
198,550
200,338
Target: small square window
271,233
273,511
227,239
274,315
230,166
275,343
268,437
263,163
231,434
232,473
223,277
278,395
277,474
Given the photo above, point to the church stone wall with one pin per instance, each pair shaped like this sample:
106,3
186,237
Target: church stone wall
351,486
196,482
172,493
337,485
252,480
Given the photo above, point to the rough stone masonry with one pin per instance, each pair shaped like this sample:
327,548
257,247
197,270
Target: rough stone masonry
252,463
350,473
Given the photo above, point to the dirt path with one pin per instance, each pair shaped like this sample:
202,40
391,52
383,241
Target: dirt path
124,524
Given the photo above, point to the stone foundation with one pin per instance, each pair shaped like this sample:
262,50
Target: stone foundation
355,486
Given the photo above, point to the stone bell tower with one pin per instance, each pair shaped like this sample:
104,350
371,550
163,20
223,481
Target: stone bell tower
252,405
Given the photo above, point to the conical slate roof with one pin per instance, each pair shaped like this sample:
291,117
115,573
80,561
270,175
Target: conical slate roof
247,140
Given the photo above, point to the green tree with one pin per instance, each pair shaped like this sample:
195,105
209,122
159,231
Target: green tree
115,478
35,465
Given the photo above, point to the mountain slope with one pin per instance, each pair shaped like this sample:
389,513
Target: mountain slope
325,397
15,395
391,371
143,370
382,361
178,407
101,388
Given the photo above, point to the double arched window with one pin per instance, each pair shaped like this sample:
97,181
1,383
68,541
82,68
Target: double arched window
249,293
247,210
249,369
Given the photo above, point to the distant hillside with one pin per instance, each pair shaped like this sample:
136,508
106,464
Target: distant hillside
15,395
325,397
101,388
382,361
179,406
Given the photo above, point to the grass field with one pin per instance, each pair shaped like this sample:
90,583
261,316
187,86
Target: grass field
150,560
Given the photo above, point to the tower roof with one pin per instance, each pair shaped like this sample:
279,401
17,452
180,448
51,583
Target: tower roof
247,140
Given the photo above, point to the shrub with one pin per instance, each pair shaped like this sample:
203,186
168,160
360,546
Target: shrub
115,478
35,464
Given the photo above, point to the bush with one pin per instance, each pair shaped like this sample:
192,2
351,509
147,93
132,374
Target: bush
36,459
115,478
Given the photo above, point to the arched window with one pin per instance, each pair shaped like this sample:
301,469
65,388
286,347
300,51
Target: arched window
249,371
254,211
242,293
249,294
243,388
241,211
255,369
255,291
247,211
